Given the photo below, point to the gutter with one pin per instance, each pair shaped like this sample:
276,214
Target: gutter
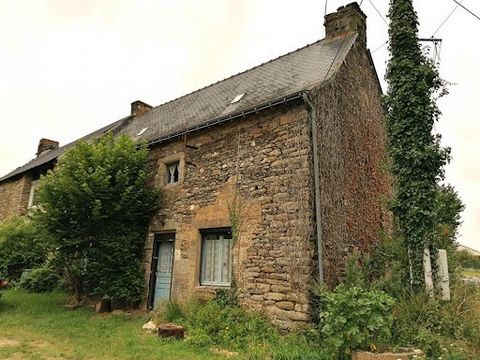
316,183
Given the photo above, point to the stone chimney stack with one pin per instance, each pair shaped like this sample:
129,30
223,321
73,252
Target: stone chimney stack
139,108
349,18
45,145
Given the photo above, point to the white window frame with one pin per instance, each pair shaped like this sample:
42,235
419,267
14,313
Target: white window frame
222,235
31,197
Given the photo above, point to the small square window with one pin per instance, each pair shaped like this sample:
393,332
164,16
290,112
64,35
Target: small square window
216,258
173,172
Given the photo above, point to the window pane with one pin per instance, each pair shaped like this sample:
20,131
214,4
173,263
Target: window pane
173,173
216,259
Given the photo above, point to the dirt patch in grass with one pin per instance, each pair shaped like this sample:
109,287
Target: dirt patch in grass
8,342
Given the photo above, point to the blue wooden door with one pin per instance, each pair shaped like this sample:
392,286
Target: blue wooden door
164,269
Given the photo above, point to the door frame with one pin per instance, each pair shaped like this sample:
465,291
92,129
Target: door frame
157,239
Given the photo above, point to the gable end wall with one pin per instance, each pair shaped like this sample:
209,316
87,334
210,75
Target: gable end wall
354,181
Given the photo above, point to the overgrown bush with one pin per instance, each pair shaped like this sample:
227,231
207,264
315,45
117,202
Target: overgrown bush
214,324
354,318
20,248
226,297
468,260
96,204
437,326
41,279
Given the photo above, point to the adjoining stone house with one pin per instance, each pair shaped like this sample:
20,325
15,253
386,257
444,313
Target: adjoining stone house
259,171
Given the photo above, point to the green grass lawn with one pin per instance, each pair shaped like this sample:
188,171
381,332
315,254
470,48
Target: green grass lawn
38,326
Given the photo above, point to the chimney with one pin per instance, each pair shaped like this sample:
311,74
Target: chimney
349,18
45,145
139,108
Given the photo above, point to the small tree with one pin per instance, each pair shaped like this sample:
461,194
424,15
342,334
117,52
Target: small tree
95,206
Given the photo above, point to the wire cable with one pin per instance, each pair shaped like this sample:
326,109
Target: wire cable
471,12
379,13
335,58
381,46
446,19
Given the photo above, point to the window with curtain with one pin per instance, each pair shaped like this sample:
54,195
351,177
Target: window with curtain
216,258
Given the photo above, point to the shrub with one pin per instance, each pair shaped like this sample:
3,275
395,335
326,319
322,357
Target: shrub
431,324
354,318
20,248
468,260
166,311
226,297
42,279
96,204
211,324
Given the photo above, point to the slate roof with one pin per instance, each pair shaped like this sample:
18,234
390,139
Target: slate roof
275,81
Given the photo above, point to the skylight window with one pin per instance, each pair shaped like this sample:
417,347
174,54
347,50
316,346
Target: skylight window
142,131
237,98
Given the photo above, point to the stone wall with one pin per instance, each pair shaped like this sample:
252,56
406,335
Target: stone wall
14,195
259,166
354,180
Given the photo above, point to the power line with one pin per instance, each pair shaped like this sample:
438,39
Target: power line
471,12
379,13
335,58
446,19
381,46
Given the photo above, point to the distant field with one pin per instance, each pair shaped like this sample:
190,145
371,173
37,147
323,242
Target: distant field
471,272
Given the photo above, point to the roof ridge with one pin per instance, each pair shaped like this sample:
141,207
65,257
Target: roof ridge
237,74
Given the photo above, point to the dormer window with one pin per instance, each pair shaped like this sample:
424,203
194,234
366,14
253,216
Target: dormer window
173,172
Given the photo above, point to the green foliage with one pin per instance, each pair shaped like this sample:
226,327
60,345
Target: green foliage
45,329
436,327
354,318
468,260
41,279
20,248
448,208
96,205
166,311
417,156
226,297
386,266
215,324
212,324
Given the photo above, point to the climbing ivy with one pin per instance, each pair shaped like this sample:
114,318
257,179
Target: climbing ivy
417,156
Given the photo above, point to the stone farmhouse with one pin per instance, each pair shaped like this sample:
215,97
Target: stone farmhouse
270,178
